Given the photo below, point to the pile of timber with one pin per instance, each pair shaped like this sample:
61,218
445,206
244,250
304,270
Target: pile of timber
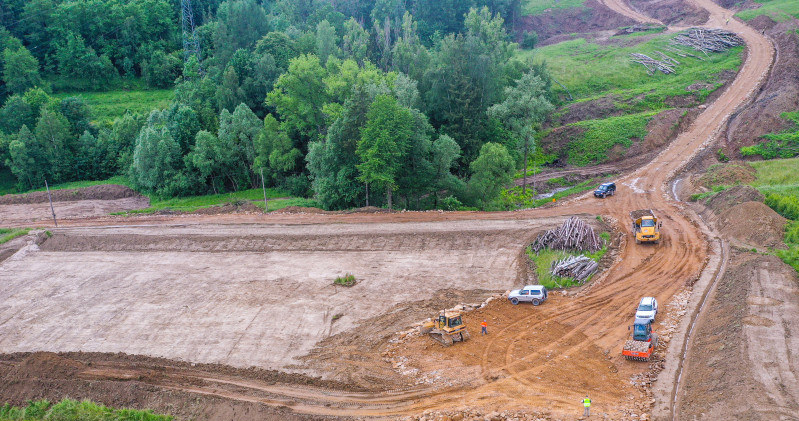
700,39
574,234
664,64
575,267
708,40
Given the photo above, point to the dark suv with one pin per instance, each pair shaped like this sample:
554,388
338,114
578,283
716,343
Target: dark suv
605,190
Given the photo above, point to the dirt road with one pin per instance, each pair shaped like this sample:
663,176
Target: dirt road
543,357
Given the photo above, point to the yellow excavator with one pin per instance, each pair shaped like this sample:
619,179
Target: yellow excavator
447,329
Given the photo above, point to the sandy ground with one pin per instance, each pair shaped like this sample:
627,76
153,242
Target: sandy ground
244,296
743,361
39,214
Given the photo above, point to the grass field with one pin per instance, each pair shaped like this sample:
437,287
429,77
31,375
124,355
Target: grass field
543,260
106,106
779,176
591,71
8,234
603,134
779,10
537,7
72,410
778,179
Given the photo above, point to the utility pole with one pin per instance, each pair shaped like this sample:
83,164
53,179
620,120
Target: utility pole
52,209
191,42
263,186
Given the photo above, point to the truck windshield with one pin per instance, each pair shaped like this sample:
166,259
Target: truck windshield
645,307
648,223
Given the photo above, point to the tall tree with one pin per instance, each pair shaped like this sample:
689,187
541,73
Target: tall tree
326,41
299,96
20,70
53,133
240,23
384,141
491,172
524,108
27,160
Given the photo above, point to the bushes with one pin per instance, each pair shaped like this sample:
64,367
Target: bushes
71,410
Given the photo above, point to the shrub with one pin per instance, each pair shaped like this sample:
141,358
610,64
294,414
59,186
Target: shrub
451,203
347,280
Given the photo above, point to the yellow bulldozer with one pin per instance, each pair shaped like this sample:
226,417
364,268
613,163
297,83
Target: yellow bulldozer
447,329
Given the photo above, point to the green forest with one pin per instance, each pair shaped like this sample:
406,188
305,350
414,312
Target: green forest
415,103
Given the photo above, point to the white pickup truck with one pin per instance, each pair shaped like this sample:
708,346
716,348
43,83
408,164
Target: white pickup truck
535,294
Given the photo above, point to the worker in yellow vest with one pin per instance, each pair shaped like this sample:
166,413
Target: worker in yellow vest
587,406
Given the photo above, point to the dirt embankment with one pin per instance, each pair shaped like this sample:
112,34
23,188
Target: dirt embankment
779,94
727,174
740,215
592,17
741,361
121,380
101,192
672,12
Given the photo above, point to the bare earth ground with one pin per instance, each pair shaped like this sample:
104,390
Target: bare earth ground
39,213
534,359
743,361
239,295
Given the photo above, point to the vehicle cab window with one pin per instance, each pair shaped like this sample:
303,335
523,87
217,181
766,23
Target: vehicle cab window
525,292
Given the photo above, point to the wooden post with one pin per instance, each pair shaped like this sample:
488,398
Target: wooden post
263,186
49,197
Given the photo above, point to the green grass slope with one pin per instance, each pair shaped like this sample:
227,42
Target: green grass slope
779,10
108,105
592,70
538,7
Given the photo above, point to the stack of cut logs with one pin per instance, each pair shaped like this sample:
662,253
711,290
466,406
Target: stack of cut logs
708,40
574,234
576,267
700,39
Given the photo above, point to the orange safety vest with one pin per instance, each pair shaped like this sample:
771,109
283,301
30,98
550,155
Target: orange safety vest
484,324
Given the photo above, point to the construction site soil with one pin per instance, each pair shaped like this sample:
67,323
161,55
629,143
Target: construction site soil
742,362
778,95
235,316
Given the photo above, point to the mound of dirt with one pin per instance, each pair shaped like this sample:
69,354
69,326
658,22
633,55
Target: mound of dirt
101,192
45,365
369,209
733,196
727,174
238,207
300,209
672,12
779,94
592,16
753,223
